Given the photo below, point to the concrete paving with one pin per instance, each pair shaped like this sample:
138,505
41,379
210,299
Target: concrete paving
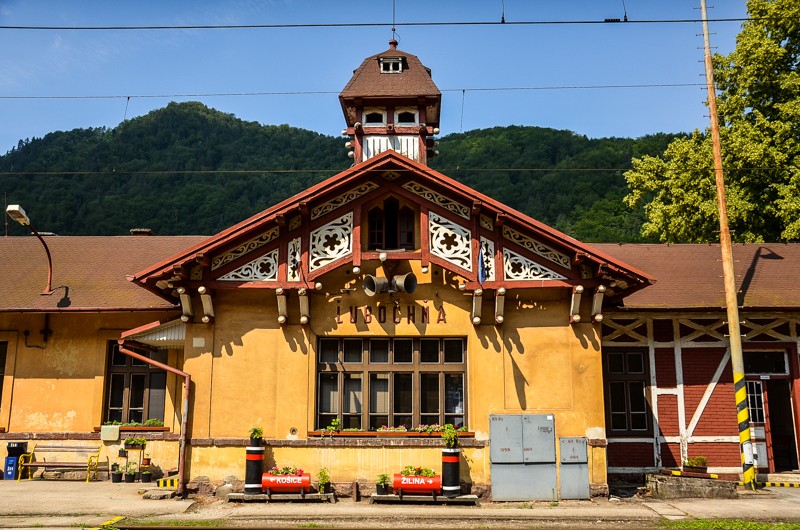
65,504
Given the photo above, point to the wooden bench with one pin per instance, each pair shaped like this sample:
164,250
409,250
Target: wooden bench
28,461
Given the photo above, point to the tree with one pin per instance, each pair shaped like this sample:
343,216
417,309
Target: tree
759,111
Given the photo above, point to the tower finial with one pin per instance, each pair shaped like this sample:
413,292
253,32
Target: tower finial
393,44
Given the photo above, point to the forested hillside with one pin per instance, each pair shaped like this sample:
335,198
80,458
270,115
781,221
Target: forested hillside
189,169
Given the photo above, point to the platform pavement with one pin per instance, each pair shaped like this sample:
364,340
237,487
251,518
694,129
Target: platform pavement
59,503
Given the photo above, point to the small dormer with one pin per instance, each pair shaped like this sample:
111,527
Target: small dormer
391,103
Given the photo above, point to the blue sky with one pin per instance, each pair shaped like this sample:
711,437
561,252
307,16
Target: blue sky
40,69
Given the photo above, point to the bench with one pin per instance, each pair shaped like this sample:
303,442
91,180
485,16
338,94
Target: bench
91,454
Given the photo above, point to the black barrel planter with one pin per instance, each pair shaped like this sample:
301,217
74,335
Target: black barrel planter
451,477
254,468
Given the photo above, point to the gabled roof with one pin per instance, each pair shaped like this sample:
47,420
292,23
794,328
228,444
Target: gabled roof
89,272
596,263
690,276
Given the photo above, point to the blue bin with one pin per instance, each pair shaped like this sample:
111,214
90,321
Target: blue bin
10,469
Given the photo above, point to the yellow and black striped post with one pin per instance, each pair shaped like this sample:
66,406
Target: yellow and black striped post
743,416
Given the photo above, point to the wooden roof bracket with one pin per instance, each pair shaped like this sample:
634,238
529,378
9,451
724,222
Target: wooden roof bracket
477,305
597,303
186,305
499,305
575,306
305,311
208,306
282,314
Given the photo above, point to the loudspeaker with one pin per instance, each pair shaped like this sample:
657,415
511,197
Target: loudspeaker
374,285
406,283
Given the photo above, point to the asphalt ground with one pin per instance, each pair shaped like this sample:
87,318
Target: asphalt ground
75,504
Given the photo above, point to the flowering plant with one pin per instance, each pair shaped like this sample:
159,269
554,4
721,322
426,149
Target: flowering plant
286,470
399,428
414,471
424,427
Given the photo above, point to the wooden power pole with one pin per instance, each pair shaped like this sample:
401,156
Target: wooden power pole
735,336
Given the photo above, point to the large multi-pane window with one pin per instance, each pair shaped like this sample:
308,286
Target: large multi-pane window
376,382
626,376
136,391
390,226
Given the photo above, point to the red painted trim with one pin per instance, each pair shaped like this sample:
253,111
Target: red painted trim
450,459
254,456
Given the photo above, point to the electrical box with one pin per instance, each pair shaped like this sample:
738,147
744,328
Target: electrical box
574,460
523,457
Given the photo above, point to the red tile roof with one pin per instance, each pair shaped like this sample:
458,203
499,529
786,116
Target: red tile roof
690,276
89,272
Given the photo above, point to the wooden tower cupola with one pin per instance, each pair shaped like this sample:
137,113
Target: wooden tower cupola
391,103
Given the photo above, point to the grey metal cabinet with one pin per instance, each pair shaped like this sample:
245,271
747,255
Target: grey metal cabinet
523,457
574,460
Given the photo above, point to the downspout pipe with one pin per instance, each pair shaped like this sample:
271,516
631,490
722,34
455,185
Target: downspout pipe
184,416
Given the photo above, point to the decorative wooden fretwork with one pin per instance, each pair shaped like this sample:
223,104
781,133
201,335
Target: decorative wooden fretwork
519,268
390,175
536,247
343,199
703,330
293,266
196,273
244,248
295,222
486,222
263,268
438,199
487,258
450,241
331,241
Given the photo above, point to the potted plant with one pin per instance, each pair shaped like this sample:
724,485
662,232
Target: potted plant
382,484
451,457
135,442
146,460
146,475
122,453
696,464
130,472
256,436
116,473
323,481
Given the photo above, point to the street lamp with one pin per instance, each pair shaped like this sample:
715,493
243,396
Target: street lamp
16,212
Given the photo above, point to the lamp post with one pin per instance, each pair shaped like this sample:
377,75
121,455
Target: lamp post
16,212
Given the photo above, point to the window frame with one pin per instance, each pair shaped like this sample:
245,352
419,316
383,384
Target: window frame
394,412
391,224
132,370
374,110
629,380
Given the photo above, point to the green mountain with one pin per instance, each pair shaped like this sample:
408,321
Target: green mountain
189,169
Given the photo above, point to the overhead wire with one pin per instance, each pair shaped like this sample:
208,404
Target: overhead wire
374,24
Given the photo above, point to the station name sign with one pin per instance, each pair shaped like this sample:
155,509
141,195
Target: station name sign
382,314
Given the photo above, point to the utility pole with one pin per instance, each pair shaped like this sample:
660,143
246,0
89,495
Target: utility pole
734,333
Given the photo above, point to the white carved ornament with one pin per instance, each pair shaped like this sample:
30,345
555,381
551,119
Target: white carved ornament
331,241
293,266
244,248
486,222
264,268
343,199
537,248
438,199
487,259
450,241
519,268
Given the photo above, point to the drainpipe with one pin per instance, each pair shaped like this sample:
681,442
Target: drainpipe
184,416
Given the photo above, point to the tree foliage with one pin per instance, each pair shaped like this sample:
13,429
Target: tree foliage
759,114
189,169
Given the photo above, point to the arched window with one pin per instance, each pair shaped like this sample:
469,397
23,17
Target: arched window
374,117
391,227
406,116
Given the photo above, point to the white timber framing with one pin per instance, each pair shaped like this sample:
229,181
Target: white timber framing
690,330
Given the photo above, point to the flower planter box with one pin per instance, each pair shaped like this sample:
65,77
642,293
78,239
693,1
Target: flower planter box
286,483
409,484
695,469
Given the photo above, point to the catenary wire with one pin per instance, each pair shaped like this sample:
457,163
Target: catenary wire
376,24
